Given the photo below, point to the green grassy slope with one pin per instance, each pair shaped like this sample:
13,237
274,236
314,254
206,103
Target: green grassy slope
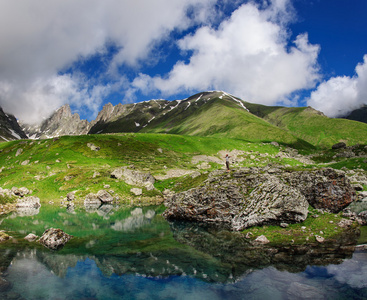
54,167
312,126
223,118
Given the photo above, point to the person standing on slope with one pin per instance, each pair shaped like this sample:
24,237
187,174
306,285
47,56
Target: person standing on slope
227,162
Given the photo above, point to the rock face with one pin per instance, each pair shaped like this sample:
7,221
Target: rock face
326,189
54,238
9,128
253,197
134,177
61,122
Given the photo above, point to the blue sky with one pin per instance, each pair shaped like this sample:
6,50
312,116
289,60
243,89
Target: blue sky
90,52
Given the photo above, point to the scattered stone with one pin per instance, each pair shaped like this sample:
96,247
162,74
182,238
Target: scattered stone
248,235
106,186
24,163
284,225
31,237
340,145
92,202
344,223
68,177
320,239
70,196
19,152
31,202
276,144
3,236
54,238
93,147
136,191
96,174
104,196
262,239
160,150
133,177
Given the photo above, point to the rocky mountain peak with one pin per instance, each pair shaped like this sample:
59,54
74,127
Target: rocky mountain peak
61,122
9,127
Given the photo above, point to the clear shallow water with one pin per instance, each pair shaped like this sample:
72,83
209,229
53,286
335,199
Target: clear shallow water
135,254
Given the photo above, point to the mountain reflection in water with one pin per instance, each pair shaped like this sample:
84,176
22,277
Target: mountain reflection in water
120,253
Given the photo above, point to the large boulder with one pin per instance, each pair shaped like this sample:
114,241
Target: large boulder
54,238
240,201
326,189
104,196
253,197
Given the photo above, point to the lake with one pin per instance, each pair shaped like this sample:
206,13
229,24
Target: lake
134,253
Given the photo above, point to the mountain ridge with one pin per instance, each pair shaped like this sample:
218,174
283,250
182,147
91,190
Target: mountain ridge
210,113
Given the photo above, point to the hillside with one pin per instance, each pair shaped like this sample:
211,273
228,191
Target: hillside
359,114
54,167
210,114
312,126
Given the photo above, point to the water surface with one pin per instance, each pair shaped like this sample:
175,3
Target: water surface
133,253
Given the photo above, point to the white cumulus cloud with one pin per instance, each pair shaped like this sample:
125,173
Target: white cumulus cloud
246,55
41,38
340,95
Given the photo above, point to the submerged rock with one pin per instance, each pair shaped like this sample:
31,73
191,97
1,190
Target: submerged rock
54,238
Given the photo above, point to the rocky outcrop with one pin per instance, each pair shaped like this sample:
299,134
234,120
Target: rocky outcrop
326,189
253,197
54,238
61,122
134,177
9,128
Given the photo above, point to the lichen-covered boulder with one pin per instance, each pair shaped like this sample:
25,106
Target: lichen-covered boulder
241,201
54,238
326,189
104,196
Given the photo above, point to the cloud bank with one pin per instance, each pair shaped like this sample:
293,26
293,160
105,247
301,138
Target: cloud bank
340,95
41,38
237,46
247,56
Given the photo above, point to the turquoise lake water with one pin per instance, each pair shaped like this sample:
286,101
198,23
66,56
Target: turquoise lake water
134,253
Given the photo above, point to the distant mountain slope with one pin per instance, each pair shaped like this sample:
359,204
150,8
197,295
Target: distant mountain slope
61,122
215,114
313,126
219,114
9,128
358,115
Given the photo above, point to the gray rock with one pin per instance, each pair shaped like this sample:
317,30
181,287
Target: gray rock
70,196
136,191
133,177
340,145
252,197
31,237
31,201
19,152
262,239
54,238
104,196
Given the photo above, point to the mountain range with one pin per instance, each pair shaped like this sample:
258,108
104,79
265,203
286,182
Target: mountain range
214,113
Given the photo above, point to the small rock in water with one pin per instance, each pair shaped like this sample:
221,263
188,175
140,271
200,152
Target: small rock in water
31,237
54,238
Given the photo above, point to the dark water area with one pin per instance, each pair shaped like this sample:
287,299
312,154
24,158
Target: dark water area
134,253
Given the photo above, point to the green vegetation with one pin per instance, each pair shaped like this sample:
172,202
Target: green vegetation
317,224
